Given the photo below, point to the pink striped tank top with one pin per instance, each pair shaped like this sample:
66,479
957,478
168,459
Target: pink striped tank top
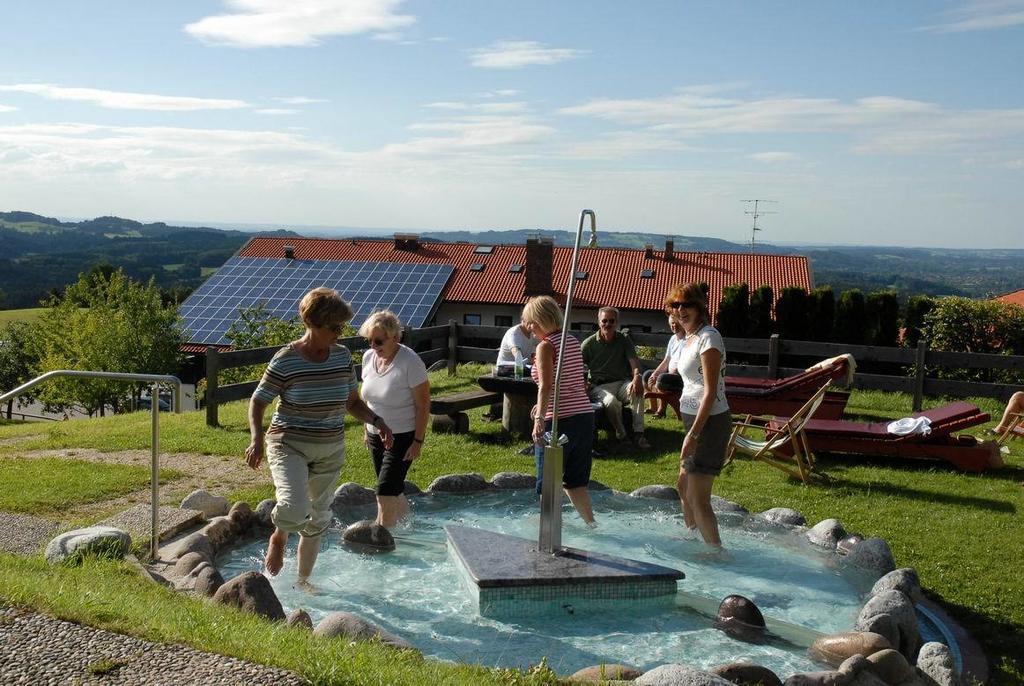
573,387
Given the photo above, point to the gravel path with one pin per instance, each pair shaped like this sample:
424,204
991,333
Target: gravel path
37,649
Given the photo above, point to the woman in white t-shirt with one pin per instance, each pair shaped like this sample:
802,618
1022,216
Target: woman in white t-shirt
700,360
396,388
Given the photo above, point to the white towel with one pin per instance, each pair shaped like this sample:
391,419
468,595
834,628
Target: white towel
851,366
910,425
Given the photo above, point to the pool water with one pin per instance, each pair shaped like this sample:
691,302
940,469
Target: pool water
418,591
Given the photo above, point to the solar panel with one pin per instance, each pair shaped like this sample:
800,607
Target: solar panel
412,291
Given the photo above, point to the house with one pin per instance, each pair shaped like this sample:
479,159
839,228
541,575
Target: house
1013,297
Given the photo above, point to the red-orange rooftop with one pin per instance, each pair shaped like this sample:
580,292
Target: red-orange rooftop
1014,297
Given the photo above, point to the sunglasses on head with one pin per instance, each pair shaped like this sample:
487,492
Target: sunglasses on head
683,303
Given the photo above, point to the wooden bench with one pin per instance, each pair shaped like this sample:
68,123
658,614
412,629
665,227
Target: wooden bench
448,413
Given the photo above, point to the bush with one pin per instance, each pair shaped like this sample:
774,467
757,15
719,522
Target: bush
851,325
917,307
883,317
733,311
821,313
761,324
792,314
976,326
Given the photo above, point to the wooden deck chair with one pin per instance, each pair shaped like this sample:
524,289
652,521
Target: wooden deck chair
784,447
1015,430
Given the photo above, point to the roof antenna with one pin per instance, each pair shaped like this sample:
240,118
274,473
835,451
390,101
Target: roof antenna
756,213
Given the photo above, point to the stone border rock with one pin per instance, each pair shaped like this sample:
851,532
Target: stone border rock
884,647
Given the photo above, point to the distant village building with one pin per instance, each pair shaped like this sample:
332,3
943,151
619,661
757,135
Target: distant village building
490,283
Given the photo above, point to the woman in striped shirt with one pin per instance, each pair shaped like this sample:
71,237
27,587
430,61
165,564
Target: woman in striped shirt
314,384
543,317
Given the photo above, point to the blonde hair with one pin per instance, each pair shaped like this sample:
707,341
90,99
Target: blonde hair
385,320
544,312
324,307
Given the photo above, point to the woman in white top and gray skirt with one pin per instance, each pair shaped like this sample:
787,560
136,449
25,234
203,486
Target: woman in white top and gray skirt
700,360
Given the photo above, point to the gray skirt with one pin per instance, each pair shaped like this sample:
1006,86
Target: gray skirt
711,446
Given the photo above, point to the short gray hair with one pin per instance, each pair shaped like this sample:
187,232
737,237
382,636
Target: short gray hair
385,320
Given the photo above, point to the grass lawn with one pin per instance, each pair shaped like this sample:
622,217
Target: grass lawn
960,531
27,315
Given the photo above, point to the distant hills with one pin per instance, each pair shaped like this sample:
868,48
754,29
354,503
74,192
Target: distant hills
40,254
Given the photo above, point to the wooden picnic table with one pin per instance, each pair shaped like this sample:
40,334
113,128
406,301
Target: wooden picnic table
519,397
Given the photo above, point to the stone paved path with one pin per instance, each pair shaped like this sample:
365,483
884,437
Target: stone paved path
37,649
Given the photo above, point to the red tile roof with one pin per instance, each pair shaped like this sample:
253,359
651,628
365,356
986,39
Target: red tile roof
613,273
1014,298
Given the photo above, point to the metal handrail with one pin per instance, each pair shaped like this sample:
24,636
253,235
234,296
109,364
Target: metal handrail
155,381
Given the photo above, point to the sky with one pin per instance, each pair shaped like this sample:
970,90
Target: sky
871,122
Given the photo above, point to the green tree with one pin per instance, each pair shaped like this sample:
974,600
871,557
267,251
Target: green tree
732,310
914,313
882,309
792,314
851,318
17,360
976,326
257,328
821,313
106,322
760,323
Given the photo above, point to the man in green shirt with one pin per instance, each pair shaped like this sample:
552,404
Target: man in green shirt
615,375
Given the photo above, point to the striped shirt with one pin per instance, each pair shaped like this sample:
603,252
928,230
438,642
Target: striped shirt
311,396
573,386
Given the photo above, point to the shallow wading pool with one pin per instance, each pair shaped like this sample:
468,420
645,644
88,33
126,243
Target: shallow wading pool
418,592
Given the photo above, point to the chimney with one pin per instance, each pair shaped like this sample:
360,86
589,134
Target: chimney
540,257
669,254
648,251
289,252
409,242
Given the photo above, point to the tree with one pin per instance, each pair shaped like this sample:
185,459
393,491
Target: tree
914,313
257,328
732,310
882,309
761,324
821,313
106,322
976,326
792,314
851,318
17,359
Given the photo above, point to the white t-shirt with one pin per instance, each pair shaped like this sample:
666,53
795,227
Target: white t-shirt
515,337
688,365
388,392
670,352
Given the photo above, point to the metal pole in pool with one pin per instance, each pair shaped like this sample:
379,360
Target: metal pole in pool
551,488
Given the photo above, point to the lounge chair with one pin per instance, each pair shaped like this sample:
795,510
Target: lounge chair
874,439
785,445
1014,430
783,397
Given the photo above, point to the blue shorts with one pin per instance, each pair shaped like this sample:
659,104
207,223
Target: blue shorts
577,454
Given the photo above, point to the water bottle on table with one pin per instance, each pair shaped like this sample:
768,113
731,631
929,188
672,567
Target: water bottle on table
520,365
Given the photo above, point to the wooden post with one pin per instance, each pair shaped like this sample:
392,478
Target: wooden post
212,370
453,346
919,370
773,356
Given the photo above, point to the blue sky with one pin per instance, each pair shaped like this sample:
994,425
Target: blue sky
869,122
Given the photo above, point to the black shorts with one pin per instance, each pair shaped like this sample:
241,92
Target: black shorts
390,465
712,445
577,454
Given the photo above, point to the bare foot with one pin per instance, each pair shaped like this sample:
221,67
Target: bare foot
274,560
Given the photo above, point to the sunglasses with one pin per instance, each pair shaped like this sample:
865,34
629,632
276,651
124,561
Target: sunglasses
607,321
683,303
376,342
336,328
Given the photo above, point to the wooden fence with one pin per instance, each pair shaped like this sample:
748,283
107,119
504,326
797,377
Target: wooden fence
451,343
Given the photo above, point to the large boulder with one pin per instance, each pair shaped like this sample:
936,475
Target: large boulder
101,541
208,580
251,592
904,579
848,543
659,491
834,649
210,505
679,675
900,627
722,506
299,618
355,627
740,618
828,678
935,661
186,563
411,489
781,516
891,667
514,481
263,512
195,542
827,533
746,674
458,483
368,536
351,494
242,517
605,673
221,532
872,555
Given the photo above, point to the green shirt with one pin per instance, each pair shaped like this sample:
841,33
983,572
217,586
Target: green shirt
608,360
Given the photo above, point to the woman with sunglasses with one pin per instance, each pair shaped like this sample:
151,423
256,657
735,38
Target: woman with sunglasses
700,360
543,317
314,384
395,386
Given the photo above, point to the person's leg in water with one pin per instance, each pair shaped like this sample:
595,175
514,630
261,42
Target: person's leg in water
684,501
274,559
698,492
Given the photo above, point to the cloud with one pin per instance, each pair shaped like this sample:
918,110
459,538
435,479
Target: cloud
297,23
277,111
980,15
487,107
772,157
516,54
7,108
471,134
120,100
300,100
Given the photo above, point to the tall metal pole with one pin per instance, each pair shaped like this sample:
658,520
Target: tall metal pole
154,477
551,487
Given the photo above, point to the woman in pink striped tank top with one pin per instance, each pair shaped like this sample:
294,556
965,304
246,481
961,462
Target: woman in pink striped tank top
543,317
